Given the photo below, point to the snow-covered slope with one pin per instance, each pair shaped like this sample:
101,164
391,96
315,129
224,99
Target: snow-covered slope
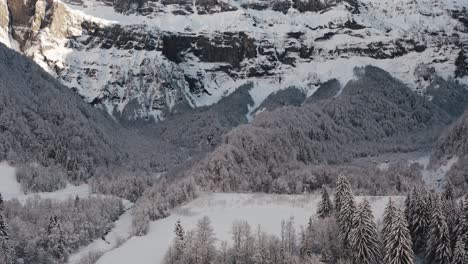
140,59
257,209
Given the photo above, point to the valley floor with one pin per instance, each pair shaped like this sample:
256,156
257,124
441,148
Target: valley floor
267,210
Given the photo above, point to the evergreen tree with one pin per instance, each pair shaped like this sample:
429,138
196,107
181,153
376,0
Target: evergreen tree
325,208
343,188
461,228
460,255
438,250
398,244
346,218
1,202
388,221
345,208
448,193
179,242
365,248
419,215
6,254
56,239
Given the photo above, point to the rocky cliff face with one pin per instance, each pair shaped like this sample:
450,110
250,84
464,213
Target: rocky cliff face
143,59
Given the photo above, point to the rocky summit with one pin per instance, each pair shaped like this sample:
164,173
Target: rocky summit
146,59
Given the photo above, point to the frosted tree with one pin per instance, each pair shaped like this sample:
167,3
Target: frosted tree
448,193
56,239
438,250
204,241
461,228
6,254
179,241
288,236
418,218
460,255
345,209
398,245
343,188
325,208
176,253
388,221
365,248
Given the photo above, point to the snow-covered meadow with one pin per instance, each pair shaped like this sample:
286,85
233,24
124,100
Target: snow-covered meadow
10,187
267,210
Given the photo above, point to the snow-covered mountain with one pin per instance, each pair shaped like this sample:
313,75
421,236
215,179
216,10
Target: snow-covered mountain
141,59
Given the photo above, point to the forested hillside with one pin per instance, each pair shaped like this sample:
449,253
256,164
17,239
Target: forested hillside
374,114
454,144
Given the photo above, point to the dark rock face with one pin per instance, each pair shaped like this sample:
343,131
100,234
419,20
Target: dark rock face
231,48
126,38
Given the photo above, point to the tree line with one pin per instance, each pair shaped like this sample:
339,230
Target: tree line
431,227
47,232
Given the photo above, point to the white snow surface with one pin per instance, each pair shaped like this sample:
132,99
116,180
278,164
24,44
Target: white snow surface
267,210
9,187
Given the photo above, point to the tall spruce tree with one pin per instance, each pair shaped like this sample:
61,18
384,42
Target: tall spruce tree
6,253
56,239
419,215
179,242
365,247
448,192
461,225
325,208
345,216
388,221
439,249
398,245
460,255
343,188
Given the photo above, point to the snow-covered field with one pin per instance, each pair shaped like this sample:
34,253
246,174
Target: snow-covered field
10,188
257,209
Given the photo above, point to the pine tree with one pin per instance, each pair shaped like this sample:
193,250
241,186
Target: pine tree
325,208
460,255
388,221
6,254
419,215
179,242
461,228
438,250
346,218
345,208
365,248
343,188
1,202
56,239
448,193
398,244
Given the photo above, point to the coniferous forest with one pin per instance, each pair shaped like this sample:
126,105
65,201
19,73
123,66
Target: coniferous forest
427,227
